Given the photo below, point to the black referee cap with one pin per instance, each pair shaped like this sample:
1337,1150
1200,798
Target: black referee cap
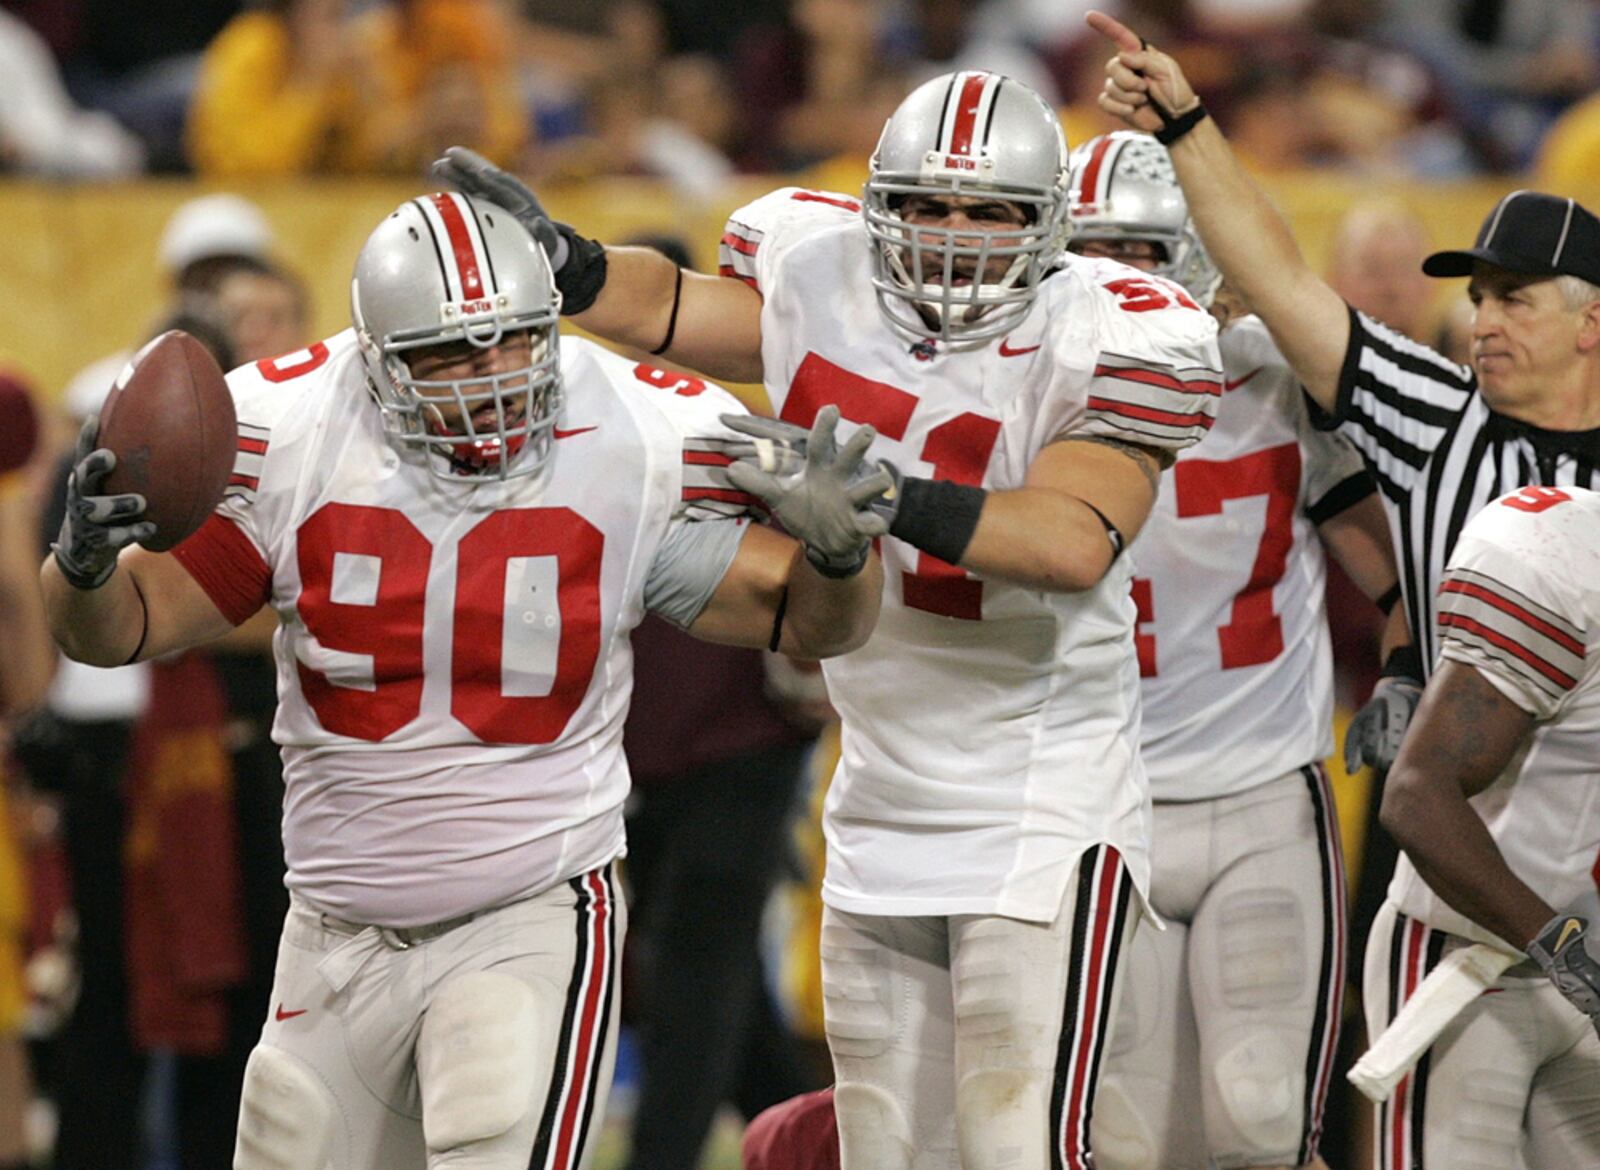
1533,234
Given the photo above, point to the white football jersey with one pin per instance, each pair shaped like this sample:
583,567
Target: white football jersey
989,729
1229,581
453,658
1521,604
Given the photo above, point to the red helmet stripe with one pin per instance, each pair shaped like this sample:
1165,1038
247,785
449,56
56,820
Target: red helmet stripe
1089,185
468,266
965,124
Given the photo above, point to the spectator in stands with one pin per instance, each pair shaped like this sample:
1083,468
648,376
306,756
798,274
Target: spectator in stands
206,238
817,86
1509,66
304,87
137,60
42,131
676,121
1569,156
1375,263
948,36
265,310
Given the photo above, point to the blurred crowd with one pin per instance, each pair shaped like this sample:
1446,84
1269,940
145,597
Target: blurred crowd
694,90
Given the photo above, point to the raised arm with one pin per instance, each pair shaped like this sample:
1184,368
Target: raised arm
1243,232
633,296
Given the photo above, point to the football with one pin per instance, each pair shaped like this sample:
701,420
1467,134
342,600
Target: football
169,420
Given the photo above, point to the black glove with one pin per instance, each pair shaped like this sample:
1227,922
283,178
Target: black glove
95,528
1374,735
822,499
1562,952
579,264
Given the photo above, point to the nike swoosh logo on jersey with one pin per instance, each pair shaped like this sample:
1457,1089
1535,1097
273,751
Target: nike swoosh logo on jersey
1007,351
561,434
1235,383
280,1015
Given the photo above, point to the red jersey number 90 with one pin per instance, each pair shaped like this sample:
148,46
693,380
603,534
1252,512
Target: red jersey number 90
364,575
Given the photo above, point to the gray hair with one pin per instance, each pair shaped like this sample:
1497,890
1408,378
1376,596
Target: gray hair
1577,292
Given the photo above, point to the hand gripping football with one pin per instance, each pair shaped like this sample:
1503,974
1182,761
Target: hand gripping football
169,420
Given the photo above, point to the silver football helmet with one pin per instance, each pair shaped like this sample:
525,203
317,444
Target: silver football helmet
966,134
445,268
1124,188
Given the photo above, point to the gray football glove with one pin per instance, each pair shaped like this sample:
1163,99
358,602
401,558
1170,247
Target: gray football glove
96,527
472,174
579,263
1374,735
822,498
1562,951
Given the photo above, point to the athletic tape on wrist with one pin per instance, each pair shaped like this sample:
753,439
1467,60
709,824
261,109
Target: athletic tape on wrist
938,516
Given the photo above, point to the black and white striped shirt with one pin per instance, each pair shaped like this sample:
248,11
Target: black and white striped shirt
1440,454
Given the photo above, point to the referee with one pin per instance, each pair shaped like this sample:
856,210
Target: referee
1442,440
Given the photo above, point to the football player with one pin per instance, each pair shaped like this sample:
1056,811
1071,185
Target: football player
1494,802
987,826
1225,1042
458,517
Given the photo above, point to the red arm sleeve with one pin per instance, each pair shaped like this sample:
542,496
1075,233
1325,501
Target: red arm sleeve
223,562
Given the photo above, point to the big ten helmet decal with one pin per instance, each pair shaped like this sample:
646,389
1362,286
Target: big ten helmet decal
1124,188
444,269
977,135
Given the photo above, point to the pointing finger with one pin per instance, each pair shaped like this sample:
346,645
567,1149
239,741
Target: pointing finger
1114,30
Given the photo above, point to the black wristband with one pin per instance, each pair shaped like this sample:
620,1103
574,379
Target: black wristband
938,516
1390,599
1175,126
1403,662
583,275
672,321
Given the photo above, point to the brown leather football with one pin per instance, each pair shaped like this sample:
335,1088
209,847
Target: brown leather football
170,422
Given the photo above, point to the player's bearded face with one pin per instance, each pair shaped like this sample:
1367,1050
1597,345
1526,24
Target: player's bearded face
956,226
476,392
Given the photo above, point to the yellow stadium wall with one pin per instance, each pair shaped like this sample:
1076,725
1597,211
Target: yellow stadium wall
79,275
